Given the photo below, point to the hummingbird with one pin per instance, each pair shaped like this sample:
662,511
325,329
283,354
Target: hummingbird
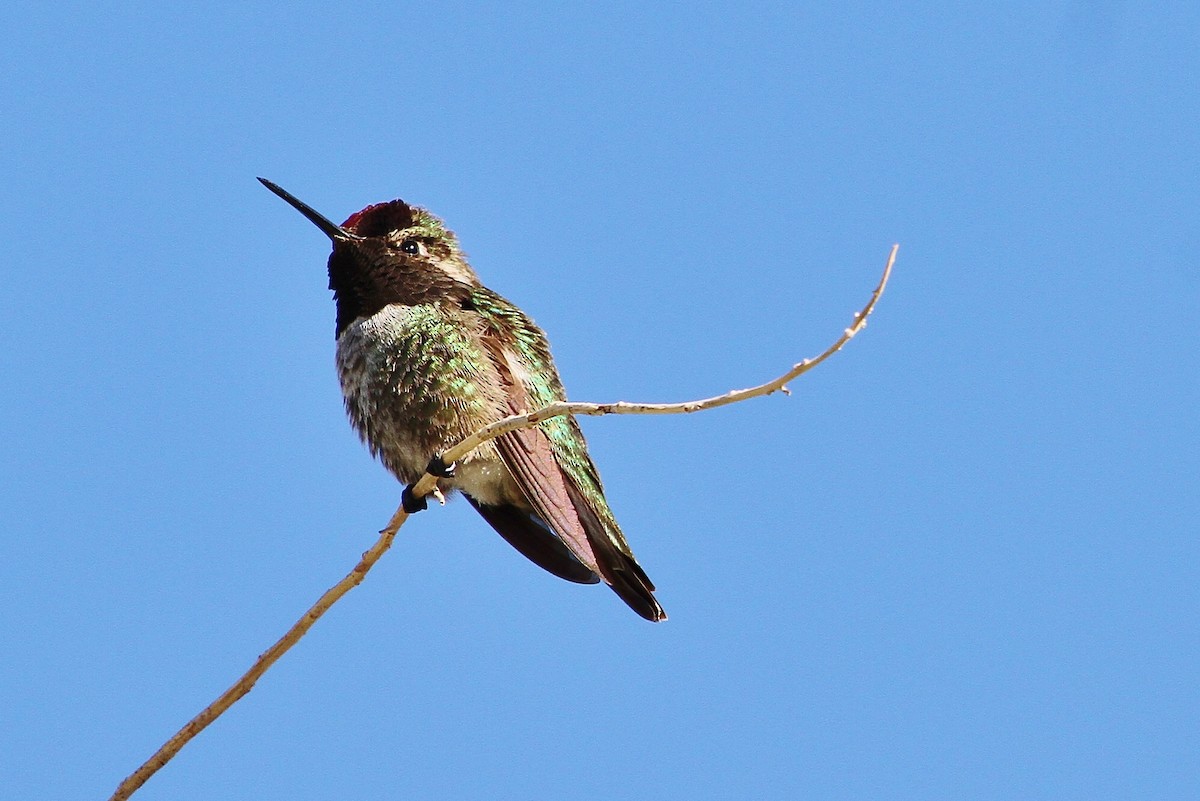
427,355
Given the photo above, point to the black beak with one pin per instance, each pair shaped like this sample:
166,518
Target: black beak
334,232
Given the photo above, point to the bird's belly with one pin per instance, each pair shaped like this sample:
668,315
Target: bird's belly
487,480
416,383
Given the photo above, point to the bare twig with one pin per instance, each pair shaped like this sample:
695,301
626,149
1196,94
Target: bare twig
428,484
264,661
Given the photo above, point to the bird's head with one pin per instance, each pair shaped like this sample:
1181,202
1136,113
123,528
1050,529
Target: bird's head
389,253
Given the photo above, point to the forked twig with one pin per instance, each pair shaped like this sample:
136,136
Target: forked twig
427,484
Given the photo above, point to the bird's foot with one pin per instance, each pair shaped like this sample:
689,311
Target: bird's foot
438,467
411,503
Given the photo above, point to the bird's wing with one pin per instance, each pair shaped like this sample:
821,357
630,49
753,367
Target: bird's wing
536,462
535,541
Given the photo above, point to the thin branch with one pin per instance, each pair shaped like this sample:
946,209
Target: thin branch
246,683
428,485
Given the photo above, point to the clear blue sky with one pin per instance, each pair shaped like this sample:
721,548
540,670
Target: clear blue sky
959,562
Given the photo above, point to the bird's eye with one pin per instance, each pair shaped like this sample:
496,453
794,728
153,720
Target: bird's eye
411,246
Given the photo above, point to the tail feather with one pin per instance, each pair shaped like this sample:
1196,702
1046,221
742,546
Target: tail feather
629,582
617,566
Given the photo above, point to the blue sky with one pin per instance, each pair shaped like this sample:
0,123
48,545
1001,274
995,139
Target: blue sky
960,561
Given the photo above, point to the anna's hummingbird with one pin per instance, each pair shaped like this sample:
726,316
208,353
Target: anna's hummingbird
427,355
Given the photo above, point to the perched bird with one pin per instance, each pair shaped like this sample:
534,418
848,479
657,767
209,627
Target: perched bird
427,355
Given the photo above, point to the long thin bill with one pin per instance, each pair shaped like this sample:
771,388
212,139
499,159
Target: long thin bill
330,230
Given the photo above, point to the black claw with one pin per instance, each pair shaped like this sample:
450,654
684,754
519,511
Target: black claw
411,503
437,467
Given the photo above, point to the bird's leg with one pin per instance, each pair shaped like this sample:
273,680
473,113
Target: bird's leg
411,503
438,468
